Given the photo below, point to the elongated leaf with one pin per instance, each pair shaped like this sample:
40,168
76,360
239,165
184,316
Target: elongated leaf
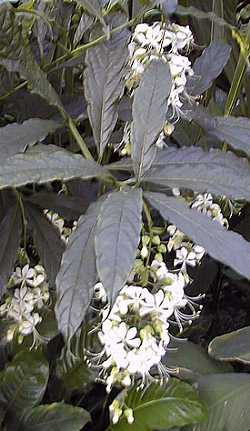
117,238
228,247
227,398
10,234
104,81
37,79
215,171
24,380
56,416
234,346
10,33
162,407
85,23
15,138
149,114
47,240
233,130
206,69
77,276
45,163
94,7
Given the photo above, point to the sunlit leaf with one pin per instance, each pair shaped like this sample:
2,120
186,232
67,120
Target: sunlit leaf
44,163
117,238
77,276
214,171
233,346
226,246
149,114
162,407
15,138
104,84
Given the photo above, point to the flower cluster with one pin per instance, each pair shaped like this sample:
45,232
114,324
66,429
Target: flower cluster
135,332
29,297
168,42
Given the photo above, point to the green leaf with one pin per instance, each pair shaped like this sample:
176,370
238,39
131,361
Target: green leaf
206,70
234,346
38,81
214,171
103,81
44,163
10,234
71,367
227,399
162,407
10,33
24,381
15,138
235,131
117,238
226,246
149,114
191,361
47,240
94,7
77,276
56,416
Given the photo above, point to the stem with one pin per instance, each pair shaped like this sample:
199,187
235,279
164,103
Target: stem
21,206
77,52
80,141
238,75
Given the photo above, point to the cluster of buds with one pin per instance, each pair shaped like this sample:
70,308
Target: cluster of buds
117,409
30,294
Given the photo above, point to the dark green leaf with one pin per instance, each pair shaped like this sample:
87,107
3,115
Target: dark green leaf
234,346
226,246
44,163
233,130
47,240
24,380
56,417
10,234
214,171
15,138
117,238
77,276
104,81
206,69
38,81
227,398
162,407
69,207
149,114
192,361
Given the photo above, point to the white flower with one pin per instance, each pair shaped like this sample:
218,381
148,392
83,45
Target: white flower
27,326
161,269
183,36
184,258
202,202
199,252
25,274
